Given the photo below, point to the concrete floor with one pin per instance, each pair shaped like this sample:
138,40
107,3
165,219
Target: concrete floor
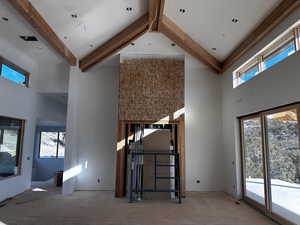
101,208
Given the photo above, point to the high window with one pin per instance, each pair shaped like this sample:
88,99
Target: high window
11,134
13,73
271,162
282,47
52,145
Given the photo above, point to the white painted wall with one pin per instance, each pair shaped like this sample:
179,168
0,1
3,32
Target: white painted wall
277,86
53,77
20,102
204,154
50,111
92,128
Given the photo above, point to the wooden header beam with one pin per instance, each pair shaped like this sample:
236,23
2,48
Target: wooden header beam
183,40
156,10
115,44
26,9
281,12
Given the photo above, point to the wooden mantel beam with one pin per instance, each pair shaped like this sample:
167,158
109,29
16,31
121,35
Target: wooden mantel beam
281,12
26,9
115,44
183,40
156,10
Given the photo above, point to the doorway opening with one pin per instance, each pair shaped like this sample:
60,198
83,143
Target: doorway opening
153,162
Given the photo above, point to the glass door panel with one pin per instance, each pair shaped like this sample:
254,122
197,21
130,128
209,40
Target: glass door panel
284,164
254,187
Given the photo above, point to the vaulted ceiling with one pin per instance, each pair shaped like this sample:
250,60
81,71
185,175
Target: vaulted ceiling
217,26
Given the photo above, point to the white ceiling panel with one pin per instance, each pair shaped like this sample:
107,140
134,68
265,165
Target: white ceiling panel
97,20
209,22
153,44
12,26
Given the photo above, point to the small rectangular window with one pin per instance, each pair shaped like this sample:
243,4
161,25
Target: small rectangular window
282,47
282,51
52,145
11,133
246,73
13,73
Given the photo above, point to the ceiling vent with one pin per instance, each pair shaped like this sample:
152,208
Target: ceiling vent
28,38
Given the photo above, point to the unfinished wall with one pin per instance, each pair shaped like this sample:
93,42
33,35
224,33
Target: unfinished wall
20,102
277,86
91,129
150,89
158,141
203,124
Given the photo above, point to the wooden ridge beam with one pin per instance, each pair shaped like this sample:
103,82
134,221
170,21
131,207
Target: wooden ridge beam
183,40
156,10
27,10
115,44
281,12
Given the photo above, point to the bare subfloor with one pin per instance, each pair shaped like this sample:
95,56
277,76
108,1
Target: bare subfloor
101,208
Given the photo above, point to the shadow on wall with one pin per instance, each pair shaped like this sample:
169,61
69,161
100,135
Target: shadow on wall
76,170
175,116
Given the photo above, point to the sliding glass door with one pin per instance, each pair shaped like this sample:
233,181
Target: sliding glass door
271,162
282,131
254,185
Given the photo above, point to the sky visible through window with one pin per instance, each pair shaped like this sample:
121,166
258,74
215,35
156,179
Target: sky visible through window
12,75
249,75
274,60
287,52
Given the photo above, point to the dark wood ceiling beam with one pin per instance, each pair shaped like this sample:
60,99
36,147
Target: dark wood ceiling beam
183,40
156,10
281,12
115,44
26,9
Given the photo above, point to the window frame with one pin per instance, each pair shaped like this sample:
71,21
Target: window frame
20,145
292,33
279,45
251,65
57,144
17,69
267,209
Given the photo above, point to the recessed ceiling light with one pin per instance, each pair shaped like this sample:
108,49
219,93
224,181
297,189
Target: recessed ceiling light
214,49
173,44
74,15
235,20
129,9
4,18
182,10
